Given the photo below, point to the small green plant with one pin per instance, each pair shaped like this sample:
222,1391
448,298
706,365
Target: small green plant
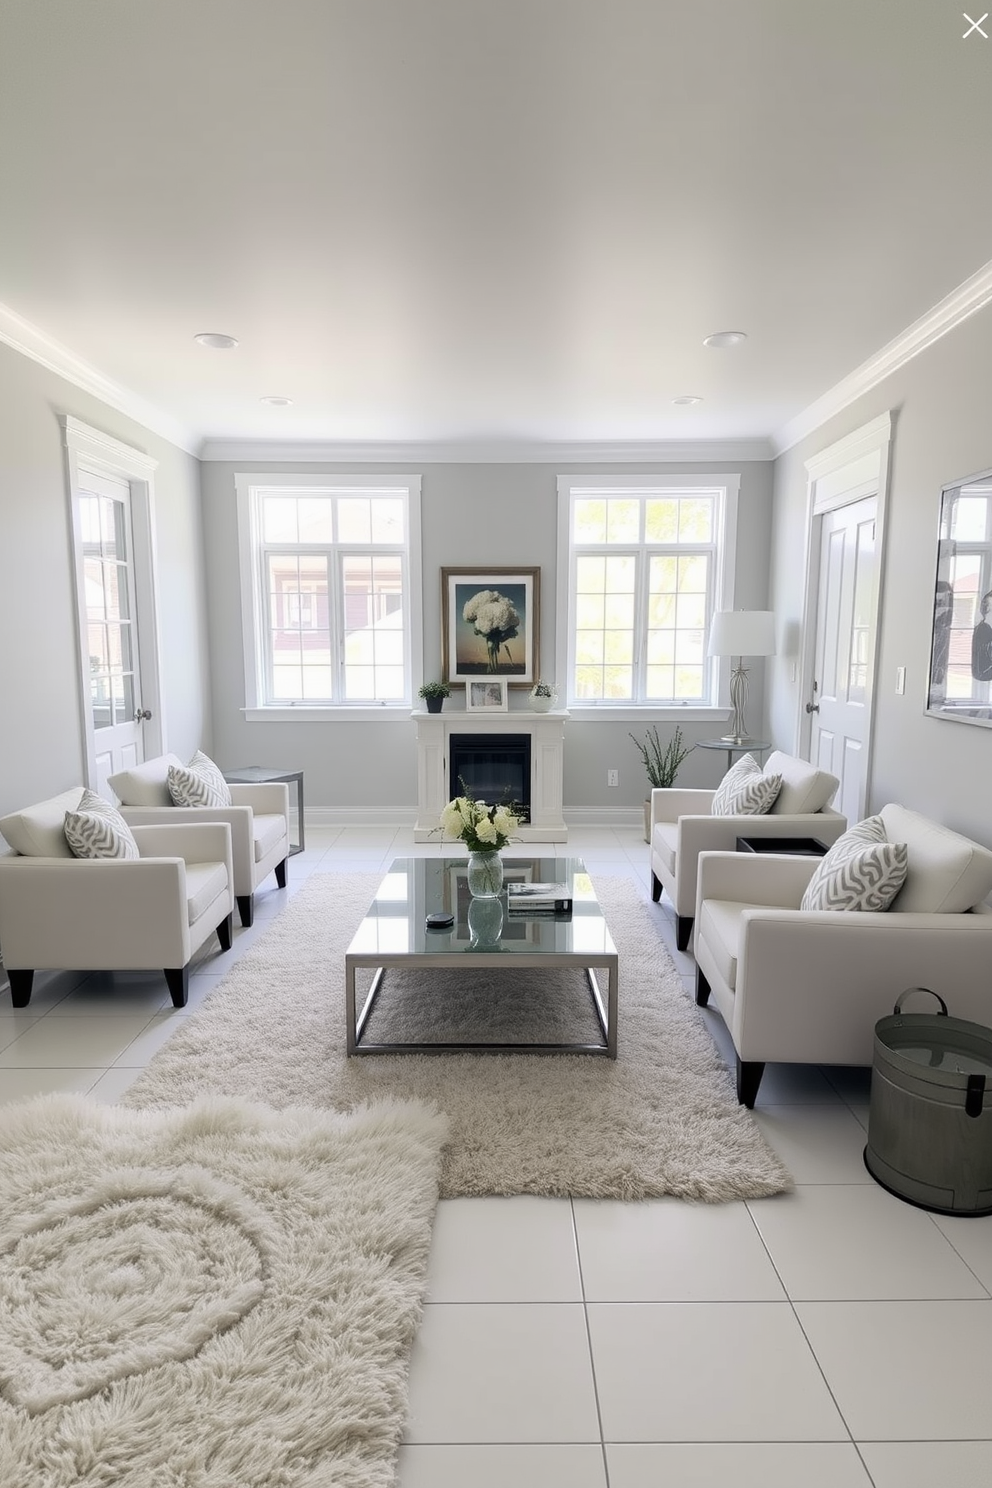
662,761
435,690
542,689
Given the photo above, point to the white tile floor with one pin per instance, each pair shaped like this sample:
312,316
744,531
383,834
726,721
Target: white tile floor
833,1337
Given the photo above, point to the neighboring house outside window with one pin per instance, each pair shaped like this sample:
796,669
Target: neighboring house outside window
644,562
329,567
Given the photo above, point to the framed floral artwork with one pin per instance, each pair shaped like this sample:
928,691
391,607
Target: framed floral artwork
490,624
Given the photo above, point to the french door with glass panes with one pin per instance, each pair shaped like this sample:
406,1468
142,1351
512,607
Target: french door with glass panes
108,621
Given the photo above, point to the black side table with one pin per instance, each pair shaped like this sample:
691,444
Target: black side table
261,775
806,847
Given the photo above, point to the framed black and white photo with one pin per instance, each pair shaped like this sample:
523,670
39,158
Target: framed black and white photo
960,684
486,695
490,624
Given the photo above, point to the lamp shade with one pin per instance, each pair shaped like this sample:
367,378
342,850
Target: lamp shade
742,633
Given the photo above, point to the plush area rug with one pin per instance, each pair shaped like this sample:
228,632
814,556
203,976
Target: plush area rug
212,1296
661,1119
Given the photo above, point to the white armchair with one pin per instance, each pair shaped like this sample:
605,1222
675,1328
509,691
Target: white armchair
808,986
258,818
682,828
58,912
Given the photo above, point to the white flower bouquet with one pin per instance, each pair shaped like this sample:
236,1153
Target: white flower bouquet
482,828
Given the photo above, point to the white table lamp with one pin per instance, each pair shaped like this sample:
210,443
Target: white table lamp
741,633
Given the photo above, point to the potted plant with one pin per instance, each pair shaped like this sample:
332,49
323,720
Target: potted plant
662,763
543,696
434,694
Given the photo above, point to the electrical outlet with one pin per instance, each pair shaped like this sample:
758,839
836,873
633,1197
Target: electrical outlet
613,777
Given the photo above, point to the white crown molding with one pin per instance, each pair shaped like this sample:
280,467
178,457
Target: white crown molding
970,297
283,451
31,341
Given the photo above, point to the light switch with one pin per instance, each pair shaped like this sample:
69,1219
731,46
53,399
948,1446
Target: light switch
900,679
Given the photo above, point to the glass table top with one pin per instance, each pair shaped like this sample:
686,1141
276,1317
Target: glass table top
394,924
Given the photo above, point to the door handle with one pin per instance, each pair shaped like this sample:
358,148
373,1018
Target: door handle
141,714
812,707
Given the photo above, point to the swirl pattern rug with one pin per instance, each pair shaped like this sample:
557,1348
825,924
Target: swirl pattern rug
212,1296
663,1118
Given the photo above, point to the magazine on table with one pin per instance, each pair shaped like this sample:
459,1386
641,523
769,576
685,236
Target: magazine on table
528,898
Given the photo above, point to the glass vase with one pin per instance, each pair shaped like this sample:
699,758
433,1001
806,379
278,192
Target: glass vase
485,924
485,874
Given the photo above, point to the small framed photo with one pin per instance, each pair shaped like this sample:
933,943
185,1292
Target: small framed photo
486,697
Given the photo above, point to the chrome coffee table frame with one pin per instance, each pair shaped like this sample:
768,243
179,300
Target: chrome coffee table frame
553,947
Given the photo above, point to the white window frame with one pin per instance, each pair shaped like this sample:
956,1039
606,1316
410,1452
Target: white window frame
253,610
576,487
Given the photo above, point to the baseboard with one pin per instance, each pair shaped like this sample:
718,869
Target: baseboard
366,816
606,816
361,816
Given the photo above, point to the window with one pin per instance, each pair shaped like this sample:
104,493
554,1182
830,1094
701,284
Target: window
329,566
644,563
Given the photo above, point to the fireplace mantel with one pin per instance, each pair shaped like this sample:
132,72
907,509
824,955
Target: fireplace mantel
547,743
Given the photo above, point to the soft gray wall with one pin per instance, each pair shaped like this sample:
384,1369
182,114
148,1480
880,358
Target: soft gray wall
41,744
471,514
942,432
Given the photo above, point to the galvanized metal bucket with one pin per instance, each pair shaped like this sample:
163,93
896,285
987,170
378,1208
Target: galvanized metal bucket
930,1120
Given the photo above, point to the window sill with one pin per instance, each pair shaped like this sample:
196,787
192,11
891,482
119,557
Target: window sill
637,713
376,713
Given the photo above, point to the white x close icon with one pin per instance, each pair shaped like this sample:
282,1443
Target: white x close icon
975,25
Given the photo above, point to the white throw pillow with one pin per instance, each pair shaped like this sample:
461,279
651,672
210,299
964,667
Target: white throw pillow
862,871
97,830
38,831
805,787
745,790
200,783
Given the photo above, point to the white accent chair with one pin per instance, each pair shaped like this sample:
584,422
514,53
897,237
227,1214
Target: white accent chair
682,828
61,913
258,817
808,986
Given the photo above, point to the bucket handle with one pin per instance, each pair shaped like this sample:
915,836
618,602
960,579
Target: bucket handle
931,993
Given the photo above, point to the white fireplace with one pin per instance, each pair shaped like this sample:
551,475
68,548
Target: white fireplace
547,744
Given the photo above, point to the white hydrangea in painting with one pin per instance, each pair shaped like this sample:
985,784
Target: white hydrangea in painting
496,619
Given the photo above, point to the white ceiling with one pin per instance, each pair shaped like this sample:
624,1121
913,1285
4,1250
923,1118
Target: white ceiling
485,219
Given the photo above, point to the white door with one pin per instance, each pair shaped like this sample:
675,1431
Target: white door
840,704
111,679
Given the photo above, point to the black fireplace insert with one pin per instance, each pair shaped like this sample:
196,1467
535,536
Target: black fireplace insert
494,768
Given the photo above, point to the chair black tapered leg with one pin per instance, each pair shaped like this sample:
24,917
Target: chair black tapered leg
224,931
281,873
246,908
683,931
749,1073
177,979
702,989
21,983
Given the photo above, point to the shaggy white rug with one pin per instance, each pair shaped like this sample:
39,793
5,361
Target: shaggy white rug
202,1298
661,1119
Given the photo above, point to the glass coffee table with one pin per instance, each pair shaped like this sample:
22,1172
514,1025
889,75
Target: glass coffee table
483,935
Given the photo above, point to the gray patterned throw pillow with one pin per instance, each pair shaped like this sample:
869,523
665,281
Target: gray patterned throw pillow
200,783
862,871
97,830
745,790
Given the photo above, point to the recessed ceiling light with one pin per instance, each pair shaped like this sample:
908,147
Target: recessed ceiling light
725,338
686,400
276,402
217,340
